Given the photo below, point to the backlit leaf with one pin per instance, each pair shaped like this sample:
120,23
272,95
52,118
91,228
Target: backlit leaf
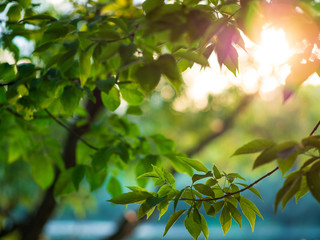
131,94
85,65
112,99
235,213
114,187
204,189
313,181
225,220
148,77
169,67
150,5
173,218
193,228
254,146
195,164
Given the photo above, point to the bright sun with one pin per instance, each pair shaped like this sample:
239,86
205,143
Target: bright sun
263,74
273,48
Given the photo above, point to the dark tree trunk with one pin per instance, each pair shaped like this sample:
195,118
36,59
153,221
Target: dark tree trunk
33,225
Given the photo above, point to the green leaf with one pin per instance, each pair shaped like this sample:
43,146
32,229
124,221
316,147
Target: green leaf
101,158
218,206
216,172
64,185
272,153
193,228
249,213
164,145
78,174
193,57
3,98
85,65
134,110
179,165
291,192
149,175
42,171
247,203
149,205
204,189
25,3
234,176
14,13
211,182
197,177
210,211
235,213
38,17
130,197
112,99
106,85
195,164
70,98
126,52
176,199
285,164
252,189
150,5
312,141
173,218
254,146
148,77
313,181
7,72
225,220
131,94
163,207
144,169
95,179
164,190
196,216
114,187
169,177
229,8
249,210
204,227
303,189
153,201
169,67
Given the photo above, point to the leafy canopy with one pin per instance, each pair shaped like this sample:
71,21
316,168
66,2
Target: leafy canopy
109,52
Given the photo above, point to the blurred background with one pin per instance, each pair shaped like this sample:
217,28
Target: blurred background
216,113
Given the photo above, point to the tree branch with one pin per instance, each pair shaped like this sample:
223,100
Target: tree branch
252,184
32,226
70,130
227,124
7,84
233,193
125,227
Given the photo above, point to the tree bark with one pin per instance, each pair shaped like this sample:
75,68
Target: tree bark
33,225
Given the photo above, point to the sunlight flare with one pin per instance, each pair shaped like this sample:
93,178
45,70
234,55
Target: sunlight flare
274,48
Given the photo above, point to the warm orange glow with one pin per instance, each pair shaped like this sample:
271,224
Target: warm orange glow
274,48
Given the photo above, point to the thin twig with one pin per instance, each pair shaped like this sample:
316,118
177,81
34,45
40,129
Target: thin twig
233,193
249,186
70,130
315,129
7,84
